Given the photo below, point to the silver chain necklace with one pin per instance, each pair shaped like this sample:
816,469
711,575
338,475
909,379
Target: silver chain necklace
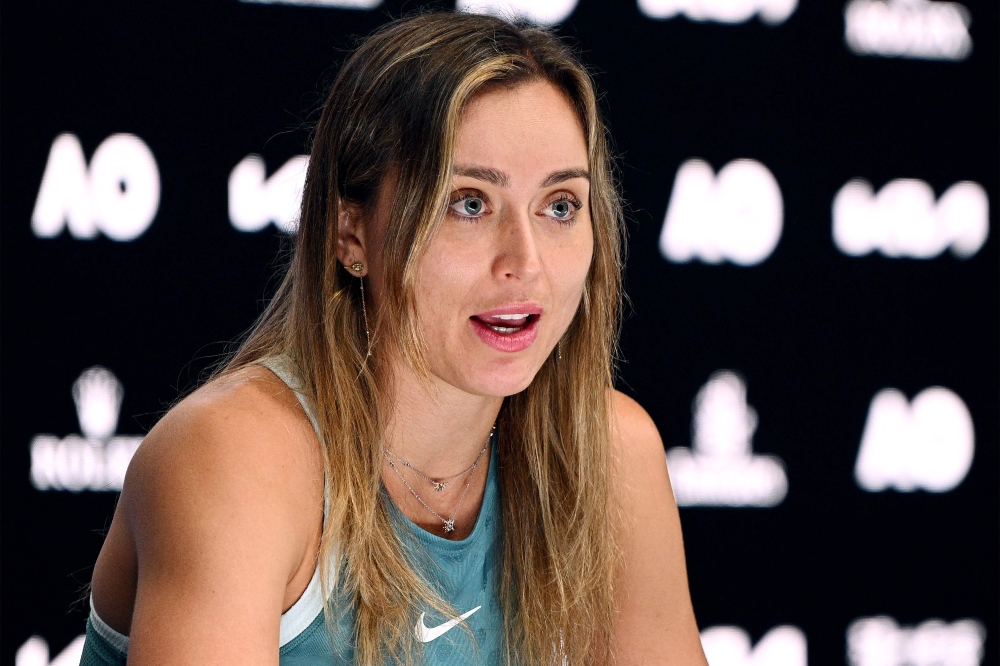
442,483
448,523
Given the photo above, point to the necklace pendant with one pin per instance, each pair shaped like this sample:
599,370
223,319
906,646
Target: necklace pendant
439,486
449,525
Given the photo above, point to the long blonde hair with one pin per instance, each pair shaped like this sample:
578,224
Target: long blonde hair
394,109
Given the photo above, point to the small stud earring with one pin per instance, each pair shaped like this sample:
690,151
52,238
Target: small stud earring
357,267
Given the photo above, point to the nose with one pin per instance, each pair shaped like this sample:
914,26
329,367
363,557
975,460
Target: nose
517,256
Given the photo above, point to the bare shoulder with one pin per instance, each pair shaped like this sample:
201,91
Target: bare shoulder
220,513
241,444
636,439
245,423
655,622
641,462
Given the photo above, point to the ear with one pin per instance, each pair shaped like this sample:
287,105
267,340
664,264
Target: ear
351,239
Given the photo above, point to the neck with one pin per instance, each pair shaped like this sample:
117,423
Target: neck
438,428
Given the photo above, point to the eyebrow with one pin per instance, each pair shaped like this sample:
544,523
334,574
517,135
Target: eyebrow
566,174
492,176
501,179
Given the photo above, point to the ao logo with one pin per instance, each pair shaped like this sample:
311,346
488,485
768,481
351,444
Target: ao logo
35,652
926,444
722,469
908,29
735,216
879,641
96,461
256,201
117,195
730,646
903,220
722,11
541,12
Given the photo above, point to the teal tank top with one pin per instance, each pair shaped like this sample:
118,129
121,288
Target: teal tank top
462,572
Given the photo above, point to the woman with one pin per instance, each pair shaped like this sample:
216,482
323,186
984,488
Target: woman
417,455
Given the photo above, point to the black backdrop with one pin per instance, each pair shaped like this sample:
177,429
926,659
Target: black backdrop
814,332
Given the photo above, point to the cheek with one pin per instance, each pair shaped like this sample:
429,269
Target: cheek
570,273
444,277
586,257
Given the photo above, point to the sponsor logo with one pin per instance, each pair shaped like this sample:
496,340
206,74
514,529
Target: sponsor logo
541,12
427,634
118,195
908,29
735,216
35,652
903,220
337,4
927,444
730,646
721,11
256,201
879,641
98,459
721,468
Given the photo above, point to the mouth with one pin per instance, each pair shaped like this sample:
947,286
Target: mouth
509,328
507,324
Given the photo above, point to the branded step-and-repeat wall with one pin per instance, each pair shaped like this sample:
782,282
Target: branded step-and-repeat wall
813,272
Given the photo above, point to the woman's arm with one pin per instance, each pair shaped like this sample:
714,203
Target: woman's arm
222,507
656,623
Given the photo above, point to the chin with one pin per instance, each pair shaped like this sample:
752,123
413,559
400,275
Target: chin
504,381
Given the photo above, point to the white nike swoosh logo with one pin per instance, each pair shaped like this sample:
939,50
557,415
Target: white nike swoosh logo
426,634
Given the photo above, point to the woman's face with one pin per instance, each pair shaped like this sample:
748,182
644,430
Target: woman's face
503,277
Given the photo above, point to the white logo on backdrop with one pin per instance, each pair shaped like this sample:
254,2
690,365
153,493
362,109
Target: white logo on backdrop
118,195
35,652
256,201
903,220
722,11
908,29
926,444
735,216
98,459
721,468
541,12
879,641
338,4
730,646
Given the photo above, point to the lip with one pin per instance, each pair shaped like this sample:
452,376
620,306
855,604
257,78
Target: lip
508,342
513,308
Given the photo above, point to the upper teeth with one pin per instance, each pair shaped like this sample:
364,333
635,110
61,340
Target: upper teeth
512,316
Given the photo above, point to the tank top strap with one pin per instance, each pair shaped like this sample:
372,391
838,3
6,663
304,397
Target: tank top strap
288,371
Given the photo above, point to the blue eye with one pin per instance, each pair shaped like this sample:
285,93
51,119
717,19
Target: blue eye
563,209
472,206
469,205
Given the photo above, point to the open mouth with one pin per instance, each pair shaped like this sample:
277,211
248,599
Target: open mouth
509,328
507,324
